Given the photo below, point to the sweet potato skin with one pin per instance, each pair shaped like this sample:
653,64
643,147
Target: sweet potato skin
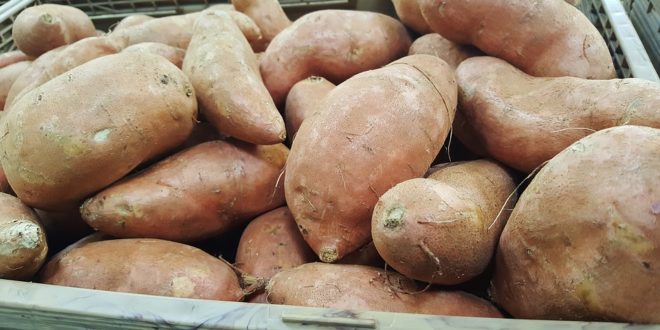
74,135
173,54
524,121
39,29
436,45
197,193
303,100
583,242
12,57
444,229
542,38
129,265
373,131
362,288
23,245
268,15
411,15
334,44
8,76
132,20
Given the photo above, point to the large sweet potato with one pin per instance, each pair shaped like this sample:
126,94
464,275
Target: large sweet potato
436,45
373,131
268,15
583,242
303,100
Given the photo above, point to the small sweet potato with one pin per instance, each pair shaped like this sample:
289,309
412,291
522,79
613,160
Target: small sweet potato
334,44
444,229
132,20
146,266
200,192
8,76
303,100
436,45
39,29
23,246
268,15
362,288
411,15
523,121
542,38
172,54
583,242
12,57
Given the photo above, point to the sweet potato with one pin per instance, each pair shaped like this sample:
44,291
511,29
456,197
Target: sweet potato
363,288
583,242
268,15
410,14
85,129
373,131
523,121
39,29
436,45
335,44
132,20
444,229
240,107
303,100
23,246
172,54
200,192
146,266
8,76
12,57
542,38
269,244
61,60
366,256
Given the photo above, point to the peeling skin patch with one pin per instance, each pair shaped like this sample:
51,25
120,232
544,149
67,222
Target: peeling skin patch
18,234
182,287
102,135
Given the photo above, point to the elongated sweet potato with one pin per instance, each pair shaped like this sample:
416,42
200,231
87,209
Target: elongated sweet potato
85,129
12,57
197,193
303,100
373,131
542,38
39,29
583,242
132,20
268,15
240,107
9,75
363,288
523,121
61,60
23,246
269,244
444,229
172,54
147,266
411,15
335,44
436,45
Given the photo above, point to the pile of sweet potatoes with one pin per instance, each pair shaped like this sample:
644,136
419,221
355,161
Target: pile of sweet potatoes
473,158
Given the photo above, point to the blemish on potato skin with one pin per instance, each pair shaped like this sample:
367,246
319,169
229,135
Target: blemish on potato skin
394,217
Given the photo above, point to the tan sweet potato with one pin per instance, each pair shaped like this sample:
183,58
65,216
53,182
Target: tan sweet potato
61,60
436,45
12,57
85,129
523,121
200,192
146,266
41,28
172,54
303,100
363,288
410,14
132,20
335,44
444,229
542,38
268,15
269,244
373,131
23,246
583,242
8,76
240,107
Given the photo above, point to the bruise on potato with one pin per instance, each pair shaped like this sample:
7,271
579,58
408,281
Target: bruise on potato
146,266
583,242
444,229
303,100
23,245
411,15
362,288
41,28
239,107
436,45
542,38
197,193
9,75
377,129
12,57
172,54
269,16
89,127
335,44
269,244
524,121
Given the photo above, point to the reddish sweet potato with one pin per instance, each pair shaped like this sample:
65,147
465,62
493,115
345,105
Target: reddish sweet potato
373,131
410,14
583,242
8,76
268,15
363,288
147,266
12,57
436,45
542,38
172,54
200,192
335,44
39,29
303,100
